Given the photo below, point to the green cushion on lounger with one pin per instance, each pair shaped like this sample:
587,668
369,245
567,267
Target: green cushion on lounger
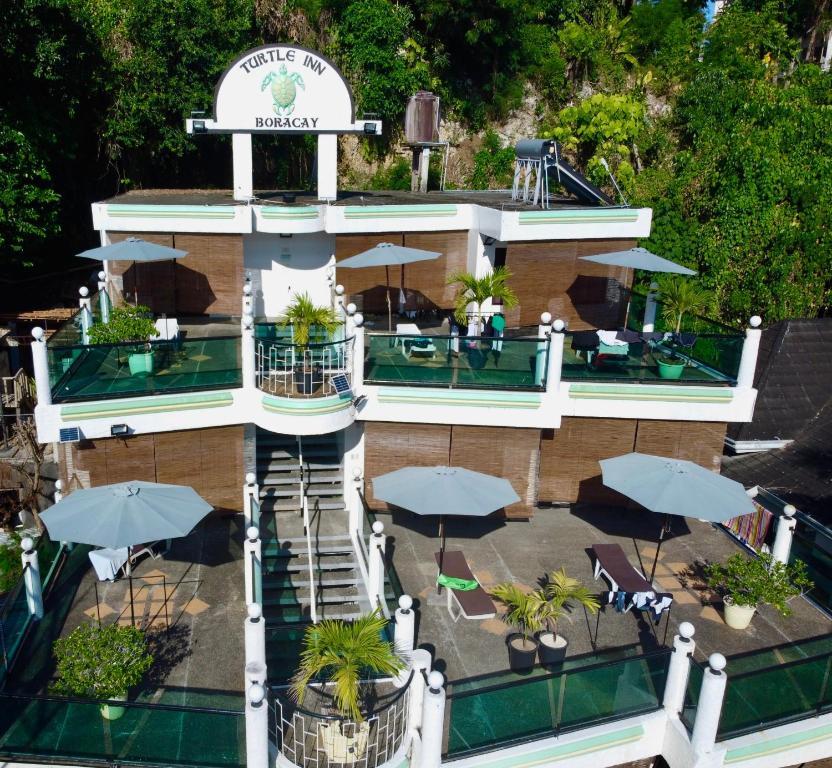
451,582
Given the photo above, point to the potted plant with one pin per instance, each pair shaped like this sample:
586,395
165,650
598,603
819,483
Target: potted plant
476,290
129,324
678,297
101,663
748,581
339,653
562,593
304,315
527,612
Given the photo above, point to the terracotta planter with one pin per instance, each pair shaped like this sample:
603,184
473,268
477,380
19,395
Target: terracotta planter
522,653
551,650
737,616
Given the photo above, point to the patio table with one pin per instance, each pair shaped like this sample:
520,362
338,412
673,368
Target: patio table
108,562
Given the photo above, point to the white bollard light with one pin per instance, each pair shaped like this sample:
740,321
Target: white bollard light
433,721
786,524
709,709
405,632
31,578
678,669
59,490
257,727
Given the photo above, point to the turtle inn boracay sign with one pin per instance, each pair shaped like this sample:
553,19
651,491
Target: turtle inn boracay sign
282,89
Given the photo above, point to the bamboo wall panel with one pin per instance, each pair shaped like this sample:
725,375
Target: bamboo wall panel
131,459
550,276
426,282
697,441
152,281
221,456
366,287
388,447
209,280
505,452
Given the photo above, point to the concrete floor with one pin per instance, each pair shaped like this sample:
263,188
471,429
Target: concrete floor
524,551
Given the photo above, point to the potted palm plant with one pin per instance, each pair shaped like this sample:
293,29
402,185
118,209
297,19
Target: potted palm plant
101,663
527,612
678,297
476,290
129,324
745,582
339,653
303,315
562,593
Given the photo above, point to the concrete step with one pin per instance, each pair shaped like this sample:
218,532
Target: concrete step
324,489
324,549
300,580
301,566
280,478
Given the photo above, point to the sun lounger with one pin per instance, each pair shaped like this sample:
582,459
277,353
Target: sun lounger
613,565
413,342
471,604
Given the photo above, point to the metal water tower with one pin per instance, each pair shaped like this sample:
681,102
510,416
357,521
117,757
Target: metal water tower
421,130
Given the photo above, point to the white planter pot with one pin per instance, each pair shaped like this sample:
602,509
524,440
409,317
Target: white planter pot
737,616
113,711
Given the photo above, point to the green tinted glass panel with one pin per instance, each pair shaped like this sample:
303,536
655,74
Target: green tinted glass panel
691,701
475,363
813,545
129,370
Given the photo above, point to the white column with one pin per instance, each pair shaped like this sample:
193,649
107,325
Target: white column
376,565
40,364
355,328
85,303
709,709
251,546
250,491
420,662
556,342
31,578
257,727
649,324
404,636
243,176
248,358
103,297
750,348
544,330
783,536
433,721
254,630
327,166
679,668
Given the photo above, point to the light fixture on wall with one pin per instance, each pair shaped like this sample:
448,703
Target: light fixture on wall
119,430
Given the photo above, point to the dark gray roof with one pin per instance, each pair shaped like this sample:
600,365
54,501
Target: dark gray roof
800,473
794,380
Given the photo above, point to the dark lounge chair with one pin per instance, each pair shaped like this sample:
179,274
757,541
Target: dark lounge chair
471,604
612,563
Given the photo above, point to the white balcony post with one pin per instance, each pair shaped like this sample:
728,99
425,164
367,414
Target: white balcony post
355,328
243,175
405,632
750,349
248,298
544,331
327,167
420,662
59,490
679,668
85,303
376,565
251,491
252,547
103,297
709,709
247,355
784,534
257,727
254,629
649,323
40,364
31,578
433,721
554,373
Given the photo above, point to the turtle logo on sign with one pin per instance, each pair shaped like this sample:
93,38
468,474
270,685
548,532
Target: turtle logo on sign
284,90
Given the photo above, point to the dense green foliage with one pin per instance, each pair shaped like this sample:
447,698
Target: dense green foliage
725,130
127,323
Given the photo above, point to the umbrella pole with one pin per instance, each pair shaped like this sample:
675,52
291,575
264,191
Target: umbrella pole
665,528
130,582
441,550
389,307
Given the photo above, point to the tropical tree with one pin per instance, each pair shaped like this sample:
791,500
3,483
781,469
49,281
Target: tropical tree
679,296
527,612
475,290
562,591
304,315
341,652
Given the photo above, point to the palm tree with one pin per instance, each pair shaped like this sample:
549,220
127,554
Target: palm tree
340,652
561,592
680,296
303,314
525,611
473,289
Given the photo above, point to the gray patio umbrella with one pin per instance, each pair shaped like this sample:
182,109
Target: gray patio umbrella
133,249
675,487
125,514
387,255
444,491
639,258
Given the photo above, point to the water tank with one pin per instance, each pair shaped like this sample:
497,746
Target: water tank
534,149
421,121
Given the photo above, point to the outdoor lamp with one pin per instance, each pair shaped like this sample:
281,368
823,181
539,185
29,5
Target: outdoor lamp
370,129
119,430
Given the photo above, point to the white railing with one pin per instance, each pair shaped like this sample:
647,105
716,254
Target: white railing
292,370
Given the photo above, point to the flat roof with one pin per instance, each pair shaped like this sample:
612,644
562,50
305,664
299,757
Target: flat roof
498,199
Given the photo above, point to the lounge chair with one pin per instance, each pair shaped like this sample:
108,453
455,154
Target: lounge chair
470,604
613,565
413,342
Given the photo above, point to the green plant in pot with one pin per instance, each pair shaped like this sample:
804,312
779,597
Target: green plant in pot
563,594
338,654
527,612
101,663
746,582
129,324
477,290
303,315
679,296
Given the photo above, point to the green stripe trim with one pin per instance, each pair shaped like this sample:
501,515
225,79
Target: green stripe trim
781,744
681,394
608,740
462,397
224,212
397,211
283,214
313,406
158,404
596,216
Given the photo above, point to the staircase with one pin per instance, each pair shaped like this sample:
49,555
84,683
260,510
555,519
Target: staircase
283,463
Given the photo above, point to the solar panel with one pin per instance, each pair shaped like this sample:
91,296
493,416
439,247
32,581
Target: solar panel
70,434
341,384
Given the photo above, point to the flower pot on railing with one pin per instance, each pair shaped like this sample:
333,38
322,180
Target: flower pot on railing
140,362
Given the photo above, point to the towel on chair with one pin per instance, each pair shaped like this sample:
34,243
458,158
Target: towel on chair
451,582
